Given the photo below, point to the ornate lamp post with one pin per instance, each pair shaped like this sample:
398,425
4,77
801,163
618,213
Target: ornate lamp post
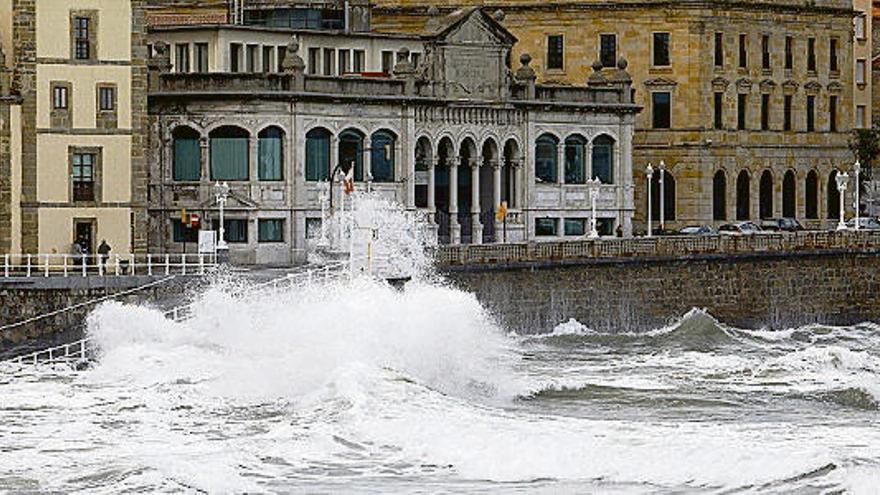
842,179
594,191
857,169
649,172
221,194
662,196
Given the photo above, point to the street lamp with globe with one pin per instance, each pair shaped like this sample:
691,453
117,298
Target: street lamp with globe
221,194
842,180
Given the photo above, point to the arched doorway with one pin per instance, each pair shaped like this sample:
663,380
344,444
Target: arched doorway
487,189
423,157
743,183
765,195
833,203
467,153
719,196
811,202
508,173
351,152
789,195
445,153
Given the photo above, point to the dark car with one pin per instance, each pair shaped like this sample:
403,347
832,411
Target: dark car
739,228
781,225
698,230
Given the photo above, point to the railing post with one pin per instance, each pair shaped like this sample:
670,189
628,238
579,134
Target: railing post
99,260
6,266
82,348
201,264
28,265
167,263
132,266
116,264
46,267
149,264
84,266
183,264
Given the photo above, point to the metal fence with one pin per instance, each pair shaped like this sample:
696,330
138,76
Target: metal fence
657,247
85,265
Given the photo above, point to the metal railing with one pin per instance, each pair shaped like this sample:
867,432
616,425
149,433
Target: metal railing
81,349
85,265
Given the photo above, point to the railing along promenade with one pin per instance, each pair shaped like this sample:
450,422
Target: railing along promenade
85,265
656,247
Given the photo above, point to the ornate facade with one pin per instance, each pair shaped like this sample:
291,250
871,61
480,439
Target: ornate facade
453,131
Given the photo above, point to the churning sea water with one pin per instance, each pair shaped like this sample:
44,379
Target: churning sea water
358,387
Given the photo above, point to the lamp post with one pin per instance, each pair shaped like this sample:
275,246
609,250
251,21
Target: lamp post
649,172
221,194
842,179
594,191
857,169
662,197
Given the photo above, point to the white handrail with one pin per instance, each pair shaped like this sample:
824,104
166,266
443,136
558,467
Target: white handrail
54,264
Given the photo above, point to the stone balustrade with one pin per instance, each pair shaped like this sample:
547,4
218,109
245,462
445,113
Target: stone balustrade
657,247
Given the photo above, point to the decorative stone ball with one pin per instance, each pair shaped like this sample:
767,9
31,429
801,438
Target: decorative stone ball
597,66
498,15
622,63
525,59
433,11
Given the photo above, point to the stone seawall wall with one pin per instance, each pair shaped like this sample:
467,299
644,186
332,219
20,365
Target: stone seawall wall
776,290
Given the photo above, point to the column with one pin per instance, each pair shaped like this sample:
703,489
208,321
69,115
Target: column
496,177
454,228
588,159
204,163
368,158
432,207
477,226
254,152
560,163
410,164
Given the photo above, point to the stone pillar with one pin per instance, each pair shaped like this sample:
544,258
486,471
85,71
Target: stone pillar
204,159
432,201
254,152
368,159
496,194
454,227
560,163
477,226
588,159
334,156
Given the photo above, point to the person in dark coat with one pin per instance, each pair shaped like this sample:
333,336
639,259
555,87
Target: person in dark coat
104,252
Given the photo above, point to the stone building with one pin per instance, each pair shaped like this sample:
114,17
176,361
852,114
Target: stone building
749,103
449,128
863,34
72,125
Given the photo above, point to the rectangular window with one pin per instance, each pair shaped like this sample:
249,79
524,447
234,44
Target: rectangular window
387,61
765,112
859,24
282,53
811,113
82,38
83,177
719,110
661,50
861,111
181,61
344,62
59,97
270,230
832,55
183,233
832,113
329,61
719,49
201,57
743,51
861,69
786,113
608,50
811,54
253,52
545,227
106,99
313,227
235,229
268,62
765,52
555,52
789,52
415,58
741,102
574,226
661,108
359,61
314,60
235,54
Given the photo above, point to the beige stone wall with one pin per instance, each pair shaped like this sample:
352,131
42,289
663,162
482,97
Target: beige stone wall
83,99
53,28
6,30
862,50
112,224
15,169
53,184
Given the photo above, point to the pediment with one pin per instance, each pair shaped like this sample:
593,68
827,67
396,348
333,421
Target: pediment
234,201
767,85
660,82
473,26
835,87
790,86
744,83
812,87
720,83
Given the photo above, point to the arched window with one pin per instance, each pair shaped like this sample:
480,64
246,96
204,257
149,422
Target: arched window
270,150
719,196
422,158
318,155
508,173
812,195
546,158
833,196
789,195
229,153
575,163
187,154
765,195
351,151
743,184
382,156
603,160
668,199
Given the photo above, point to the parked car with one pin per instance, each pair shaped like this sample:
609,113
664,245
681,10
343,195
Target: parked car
781,225
739,228
698,230
865,223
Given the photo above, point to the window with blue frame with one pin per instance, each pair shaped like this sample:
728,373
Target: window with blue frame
236,229
318,155
229,153
270,230
270,152
575,226
545,227
186,162
546,158
575,163
603,159
382,156
351,152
